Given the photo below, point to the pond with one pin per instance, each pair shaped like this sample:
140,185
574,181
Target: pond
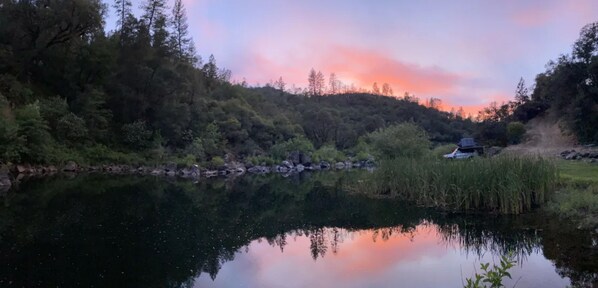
266,231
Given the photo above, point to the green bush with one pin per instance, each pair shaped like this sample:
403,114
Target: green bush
260,160
515,132
34,130
216,162
328,153
281,150
71,129
403,140
137,135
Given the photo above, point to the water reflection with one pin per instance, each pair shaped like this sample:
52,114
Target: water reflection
417,257
146,232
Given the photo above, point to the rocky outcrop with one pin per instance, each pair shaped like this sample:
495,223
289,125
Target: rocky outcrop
70,166
588,155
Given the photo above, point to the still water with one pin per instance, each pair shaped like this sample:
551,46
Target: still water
266,231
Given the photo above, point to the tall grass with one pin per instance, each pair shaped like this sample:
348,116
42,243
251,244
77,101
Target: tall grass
504,185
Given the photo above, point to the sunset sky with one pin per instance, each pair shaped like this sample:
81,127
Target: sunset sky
467,53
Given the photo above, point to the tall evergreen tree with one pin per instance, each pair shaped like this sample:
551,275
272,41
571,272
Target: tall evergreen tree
123,11
183,44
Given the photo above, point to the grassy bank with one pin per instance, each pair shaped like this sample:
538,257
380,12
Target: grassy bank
577,195
502,184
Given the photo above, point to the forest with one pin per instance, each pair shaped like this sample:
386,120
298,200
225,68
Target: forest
70,90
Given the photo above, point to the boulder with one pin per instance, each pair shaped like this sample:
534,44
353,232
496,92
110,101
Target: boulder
211,173
287,164
339,165
5,180
70,166
157,172
300,167
281,169
572,156
170,173
324,165
23,169
52,169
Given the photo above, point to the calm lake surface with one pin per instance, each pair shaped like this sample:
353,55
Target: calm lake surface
266,231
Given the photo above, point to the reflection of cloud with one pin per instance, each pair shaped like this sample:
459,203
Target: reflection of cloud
419,258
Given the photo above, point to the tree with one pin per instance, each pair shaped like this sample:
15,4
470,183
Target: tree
434,103
587,45
123,11
184,46
334,84
152,10
521,93
375,89
386,90
312,82
280,84
320,83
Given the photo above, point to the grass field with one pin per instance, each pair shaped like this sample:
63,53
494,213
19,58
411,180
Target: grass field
578,171
577,196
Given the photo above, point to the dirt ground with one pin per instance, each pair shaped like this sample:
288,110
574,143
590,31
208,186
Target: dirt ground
544,137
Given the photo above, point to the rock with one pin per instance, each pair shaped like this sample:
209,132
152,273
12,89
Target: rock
287,164
170,167
52,169
5,180
357,165
157,172
324,165
339,165
572,156
170,173
281,169
23,169
70,166
300,167
211,173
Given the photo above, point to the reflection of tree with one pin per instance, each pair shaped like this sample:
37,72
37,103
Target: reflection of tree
180,233
318,245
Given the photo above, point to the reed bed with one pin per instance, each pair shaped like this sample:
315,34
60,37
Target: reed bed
505,185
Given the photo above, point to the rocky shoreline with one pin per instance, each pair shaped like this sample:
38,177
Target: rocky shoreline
16,173
590,156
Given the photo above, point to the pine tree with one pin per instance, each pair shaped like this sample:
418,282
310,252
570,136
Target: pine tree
183,44
522,93
123,11
152,10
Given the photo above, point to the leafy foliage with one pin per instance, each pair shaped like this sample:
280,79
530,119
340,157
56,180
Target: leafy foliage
402,140
492,276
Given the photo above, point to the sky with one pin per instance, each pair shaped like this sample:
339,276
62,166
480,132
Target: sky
466,52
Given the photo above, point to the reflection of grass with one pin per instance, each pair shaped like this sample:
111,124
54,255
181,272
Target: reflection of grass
577,198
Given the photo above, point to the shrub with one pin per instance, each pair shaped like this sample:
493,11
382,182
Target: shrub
216,162
281,150
403,140
515,132
137,135
34,130
328,153
71,129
